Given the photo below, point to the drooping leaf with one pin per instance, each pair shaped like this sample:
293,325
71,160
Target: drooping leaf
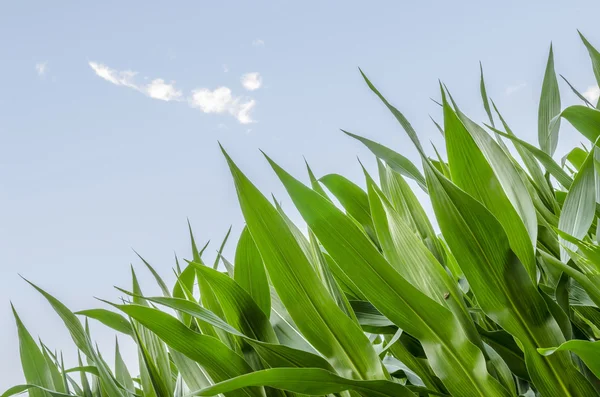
311,381
110,319
588,351
393,159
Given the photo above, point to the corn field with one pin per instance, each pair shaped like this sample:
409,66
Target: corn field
498,295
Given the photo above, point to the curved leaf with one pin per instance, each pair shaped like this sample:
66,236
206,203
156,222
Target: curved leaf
311,381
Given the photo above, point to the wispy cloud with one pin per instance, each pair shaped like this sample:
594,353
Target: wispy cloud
41,68
157,88
258,43
220,100
251,81
592,93
225,68
514,88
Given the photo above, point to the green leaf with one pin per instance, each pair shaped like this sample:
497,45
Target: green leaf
411,258
110,319
579,208
314,311
31,389
588,351
83,342
412,134
458,363
585,120
158,383
594,56
484,96
35,367
161,283
551,166
311,381
218,360
502,286
239,308
407,205
393,159
273,354
121,372
549,107
495,183
353,199
584,99
249,272
155,358
221,248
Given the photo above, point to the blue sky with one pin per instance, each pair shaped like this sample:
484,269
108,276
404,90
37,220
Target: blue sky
110,113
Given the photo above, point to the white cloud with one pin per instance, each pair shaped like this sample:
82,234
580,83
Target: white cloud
124,78
225,68
258,43
514,88
592,94
221,100
251,81
157,89
41,68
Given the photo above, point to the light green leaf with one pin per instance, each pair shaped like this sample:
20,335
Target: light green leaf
502,286
249,272
35,367
314,311
549,107
446,345
579,208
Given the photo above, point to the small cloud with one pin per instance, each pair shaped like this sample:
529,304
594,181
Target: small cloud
41,68
514,88
592,93
221,100
157,89
251,81
258,43
124,78
221,126
225,68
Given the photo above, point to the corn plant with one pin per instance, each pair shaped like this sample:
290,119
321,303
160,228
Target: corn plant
498,295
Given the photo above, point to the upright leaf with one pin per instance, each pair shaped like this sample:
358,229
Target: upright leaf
579,208
315,312
549,107
249,272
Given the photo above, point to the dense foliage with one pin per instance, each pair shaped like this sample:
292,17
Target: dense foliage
371,300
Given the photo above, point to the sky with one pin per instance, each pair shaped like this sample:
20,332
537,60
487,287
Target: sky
110,114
